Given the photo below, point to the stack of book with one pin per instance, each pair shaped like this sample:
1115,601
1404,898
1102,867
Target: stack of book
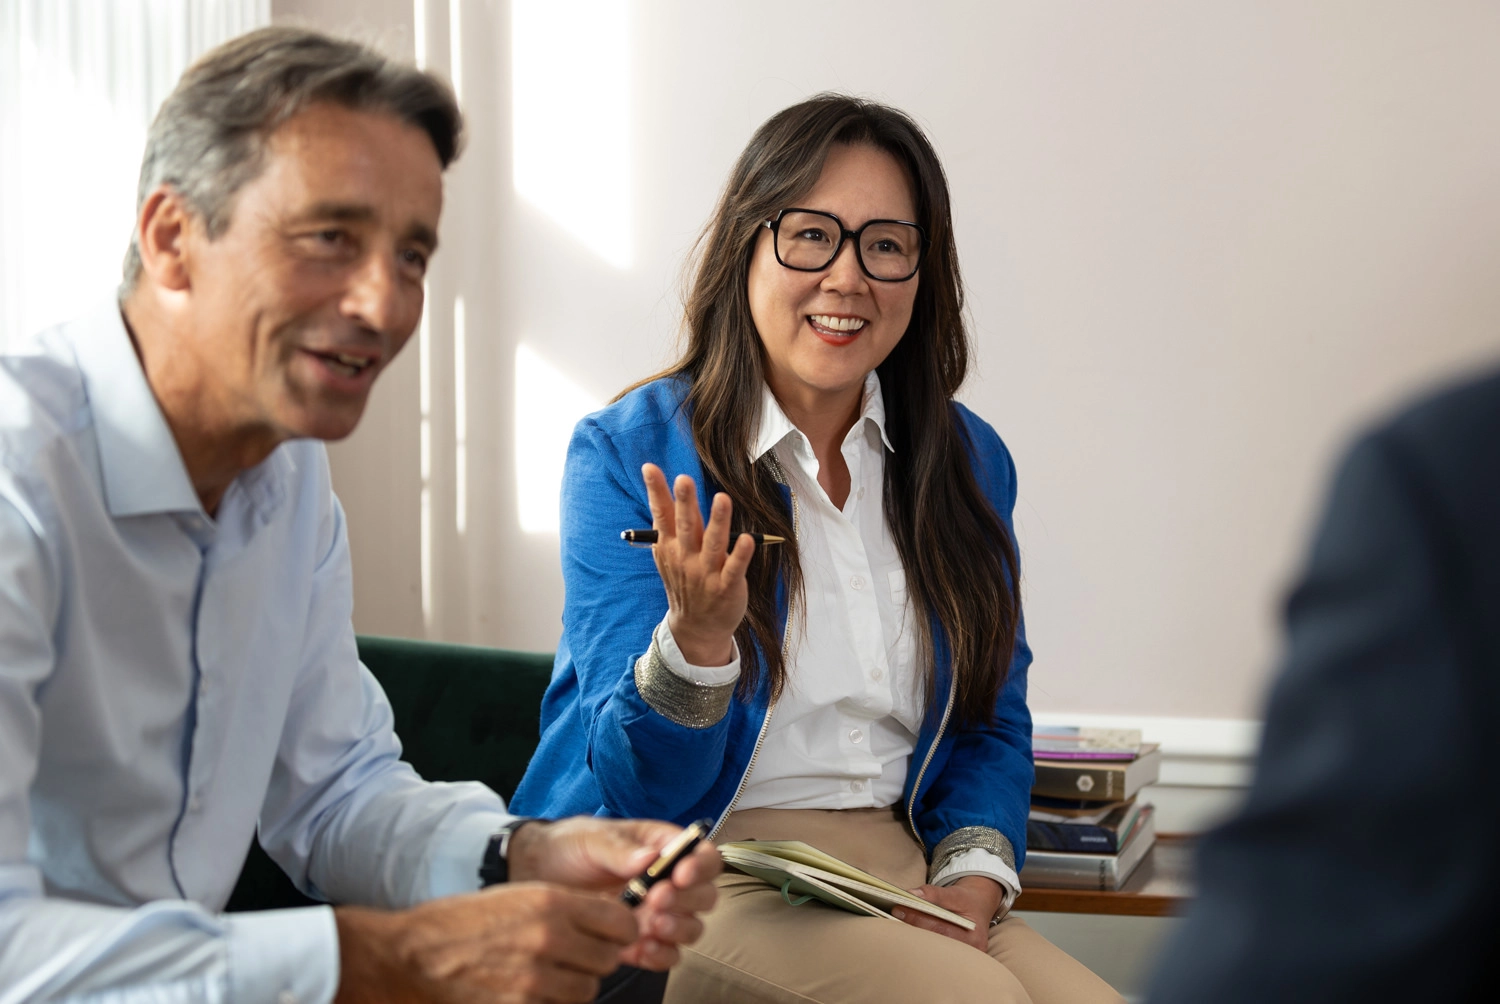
1087,829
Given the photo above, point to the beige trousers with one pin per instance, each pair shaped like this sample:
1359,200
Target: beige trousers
756,947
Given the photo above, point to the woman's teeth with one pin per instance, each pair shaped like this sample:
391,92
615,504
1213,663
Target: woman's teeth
837,323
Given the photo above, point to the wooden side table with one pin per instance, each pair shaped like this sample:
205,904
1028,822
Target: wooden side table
1160,887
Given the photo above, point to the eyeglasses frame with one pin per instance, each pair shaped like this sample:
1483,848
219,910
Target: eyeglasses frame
774,225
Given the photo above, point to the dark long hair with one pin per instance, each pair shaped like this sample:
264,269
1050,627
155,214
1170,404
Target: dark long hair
959,560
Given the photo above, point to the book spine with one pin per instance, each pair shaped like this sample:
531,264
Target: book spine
1084,780
1071,837
1049,871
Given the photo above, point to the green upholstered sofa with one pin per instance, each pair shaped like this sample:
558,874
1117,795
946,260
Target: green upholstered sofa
463,713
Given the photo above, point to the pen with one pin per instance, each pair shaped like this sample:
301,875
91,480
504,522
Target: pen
641,538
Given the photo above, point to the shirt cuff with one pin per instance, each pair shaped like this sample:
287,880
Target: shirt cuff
977,861
286,956
453,865
708,676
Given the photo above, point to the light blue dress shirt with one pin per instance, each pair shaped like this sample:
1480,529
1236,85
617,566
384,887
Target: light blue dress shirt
166,681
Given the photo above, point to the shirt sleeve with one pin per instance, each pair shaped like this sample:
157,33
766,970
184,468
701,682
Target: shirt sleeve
709,676
52,949
978,861
344,816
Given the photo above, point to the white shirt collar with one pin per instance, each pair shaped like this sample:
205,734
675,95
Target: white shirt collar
142,467
775,426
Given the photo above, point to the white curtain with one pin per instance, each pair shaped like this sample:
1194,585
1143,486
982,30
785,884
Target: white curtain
79,83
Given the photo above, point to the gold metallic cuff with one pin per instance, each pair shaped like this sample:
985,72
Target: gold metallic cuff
971,838
694,705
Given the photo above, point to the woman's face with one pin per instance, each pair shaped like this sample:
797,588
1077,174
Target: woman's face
824,331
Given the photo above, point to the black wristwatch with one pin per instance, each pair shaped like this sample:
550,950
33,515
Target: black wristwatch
495,868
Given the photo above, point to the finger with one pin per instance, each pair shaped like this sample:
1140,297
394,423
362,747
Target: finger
716,534
602,918
739,559
659,497
566,985
674,928
689,519
648,953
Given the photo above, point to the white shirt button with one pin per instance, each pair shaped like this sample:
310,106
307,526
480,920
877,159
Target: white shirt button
856,736
860,493
193,804
856,786
877,674
856,583
286,997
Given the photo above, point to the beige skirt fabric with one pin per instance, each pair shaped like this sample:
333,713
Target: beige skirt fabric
756,947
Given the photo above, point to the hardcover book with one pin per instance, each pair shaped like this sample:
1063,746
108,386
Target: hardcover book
1105,872
1104,835
802,872
1097,780
1071,742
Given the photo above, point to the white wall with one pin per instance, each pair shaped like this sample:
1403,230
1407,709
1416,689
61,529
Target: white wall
1203,242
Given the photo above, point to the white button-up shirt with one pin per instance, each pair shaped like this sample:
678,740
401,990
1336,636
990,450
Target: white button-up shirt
168,679
844,729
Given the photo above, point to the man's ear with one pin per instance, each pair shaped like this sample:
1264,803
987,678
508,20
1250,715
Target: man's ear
162,236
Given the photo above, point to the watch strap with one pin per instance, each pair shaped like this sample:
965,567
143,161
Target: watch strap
495,866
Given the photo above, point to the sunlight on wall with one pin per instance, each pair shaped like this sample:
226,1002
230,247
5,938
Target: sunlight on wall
571,118
72,193
548,405
460,417
424,405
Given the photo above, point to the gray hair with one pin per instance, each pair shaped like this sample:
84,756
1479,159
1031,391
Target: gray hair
209,138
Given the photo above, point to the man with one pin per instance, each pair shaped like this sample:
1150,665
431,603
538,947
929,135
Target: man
176,656
1364,866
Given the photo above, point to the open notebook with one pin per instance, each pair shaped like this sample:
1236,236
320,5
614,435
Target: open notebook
803,872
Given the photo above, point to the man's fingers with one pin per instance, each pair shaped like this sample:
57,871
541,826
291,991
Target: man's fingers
560,983
604,919
659,497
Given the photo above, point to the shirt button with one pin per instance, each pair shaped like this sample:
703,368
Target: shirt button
856,786
877,675
286,997
193,804
856,583
855,736
860,493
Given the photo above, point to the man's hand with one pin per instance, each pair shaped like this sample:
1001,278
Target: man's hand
972,896
524,942
586,852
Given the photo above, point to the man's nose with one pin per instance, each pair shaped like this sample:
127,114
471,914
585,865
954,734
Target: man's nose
374,296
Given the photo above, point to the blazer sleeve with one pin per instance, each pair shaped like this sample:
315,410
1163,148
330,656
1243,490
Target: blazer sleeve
1363,864
645,763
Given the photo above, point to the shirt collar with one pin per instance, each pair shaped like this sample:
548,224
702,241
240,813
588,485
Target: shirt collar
775,426
142,467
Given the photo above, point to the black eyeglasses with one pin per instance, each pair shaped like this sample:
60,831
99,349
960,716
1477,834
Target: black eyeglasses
808,241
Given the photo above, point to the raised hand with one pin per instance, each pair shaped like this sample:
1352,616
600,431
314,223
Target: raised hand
705,582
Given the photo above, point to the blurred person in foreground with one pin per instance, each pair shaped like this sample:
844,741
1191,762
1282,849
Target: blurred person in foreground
1364,864
177,661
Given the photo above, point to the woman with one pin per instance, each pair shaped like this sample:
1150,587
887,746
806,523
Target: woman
862,685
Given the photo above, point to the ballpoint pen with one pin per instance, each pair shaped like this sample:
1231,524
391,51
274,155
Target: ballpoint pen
645,538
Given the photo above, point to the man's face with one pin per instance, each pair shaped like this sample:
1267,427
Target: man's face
316,283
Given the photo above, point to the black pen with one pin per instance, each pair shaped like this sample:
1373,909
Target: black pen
642,538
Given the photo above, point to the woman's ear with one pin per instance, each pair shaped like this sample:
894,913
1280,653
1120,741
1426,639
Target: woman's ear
162,232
